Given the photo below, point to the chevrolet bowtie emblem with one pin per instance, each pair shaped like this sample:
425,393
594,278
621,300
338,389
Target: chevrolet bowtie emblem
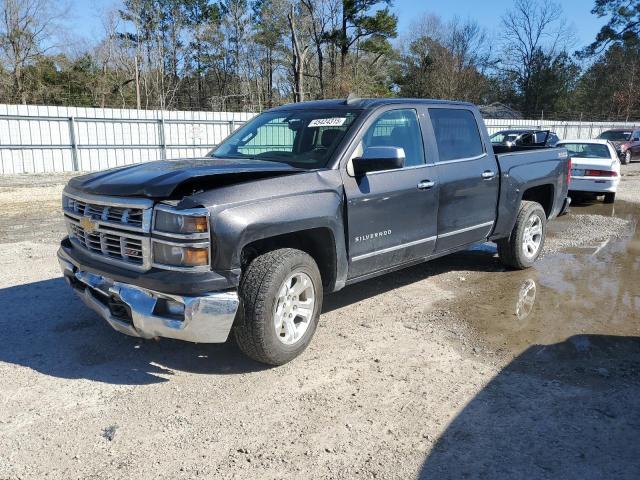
88,225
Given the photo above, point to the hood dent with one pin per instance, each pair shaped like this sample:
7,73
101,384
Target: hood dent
167,179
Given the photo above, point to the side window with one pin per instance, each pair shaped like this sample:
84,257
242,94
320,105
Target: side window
456,133
397,128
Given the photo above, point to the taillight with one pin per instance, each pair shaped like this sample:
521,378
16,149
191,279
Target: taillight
569,173
600,173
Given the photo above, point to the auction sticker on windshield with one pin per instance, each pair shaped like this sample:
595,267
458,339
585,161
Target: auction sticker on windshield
328,122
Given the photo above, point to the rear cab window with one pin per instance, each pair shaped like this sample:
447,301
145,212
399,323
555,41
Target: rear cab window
457,134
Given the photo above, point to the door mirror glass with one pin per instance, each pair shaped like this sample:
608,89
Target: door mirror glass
378,158
635,139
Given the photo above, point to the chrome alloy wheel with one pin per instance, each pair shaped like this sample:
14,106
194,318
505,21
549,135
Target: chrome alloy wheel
532,237
294,308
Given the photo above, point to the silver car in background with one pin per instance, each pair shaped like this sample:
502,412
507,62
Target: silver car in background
595,168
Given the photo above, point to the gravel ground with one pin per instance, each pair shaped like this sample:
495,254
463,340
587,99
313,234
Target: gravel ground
398,383
629,190
584,231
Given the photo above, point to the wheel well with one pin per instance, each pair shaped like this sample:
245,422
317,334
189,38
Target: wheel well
317,242
543,194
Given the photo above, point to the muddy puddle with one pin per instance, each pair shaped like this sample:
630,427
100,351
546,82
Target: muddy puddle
586,290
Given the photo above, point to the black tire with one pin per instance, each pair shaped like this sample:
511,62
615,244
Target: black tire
609,197
511,249
255,330
627,158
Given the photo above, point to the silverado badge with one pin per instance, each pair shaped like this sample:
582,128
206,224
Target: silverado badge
88,225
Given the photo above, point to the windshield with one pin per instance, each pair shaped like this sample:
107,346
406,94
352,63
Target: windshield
587,150
301,138
616,135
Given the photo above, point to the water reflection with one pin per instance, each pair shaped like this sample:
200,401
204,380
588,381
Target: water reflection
589,291
526,299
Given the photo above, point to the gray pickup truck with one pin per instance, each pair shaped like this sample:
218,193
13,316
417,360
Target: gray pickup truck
302,200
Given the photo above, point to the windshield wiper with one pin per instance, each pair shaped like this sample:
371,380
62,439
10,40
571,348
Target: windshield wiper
233,157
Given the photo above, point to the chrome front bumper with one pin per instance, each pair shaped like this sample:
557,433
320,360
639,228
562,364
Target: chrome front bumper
135,311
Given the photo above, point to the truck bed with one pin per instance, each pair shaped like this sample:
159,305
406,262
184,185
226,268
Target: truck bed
524,172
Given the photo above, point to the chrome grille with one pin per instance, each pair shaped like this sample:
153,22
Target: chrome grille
128,214
114,229
110,244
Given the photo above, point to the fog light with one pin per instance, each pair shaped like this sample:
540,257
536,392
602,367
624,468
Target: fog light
169,308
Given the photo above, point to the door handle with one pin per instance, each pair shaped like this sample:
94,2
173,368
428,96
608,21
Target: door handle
488,174
425,185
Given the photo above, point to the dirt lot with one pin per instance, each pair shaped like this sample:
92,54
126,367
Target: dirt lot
452,369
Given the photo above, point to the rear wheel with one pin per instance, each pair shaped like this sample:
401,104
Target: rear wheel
281,295
521,249
609,197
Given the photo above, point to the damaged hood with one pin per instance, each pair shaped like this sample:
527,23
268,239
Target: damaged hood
161,179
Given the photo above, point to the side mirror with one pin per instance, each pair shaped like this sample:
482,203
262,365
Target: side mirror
378,158
635,139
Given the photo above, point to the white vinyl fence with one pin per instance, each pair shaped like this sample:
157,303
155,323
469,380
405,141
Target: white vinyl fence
39,139
564,129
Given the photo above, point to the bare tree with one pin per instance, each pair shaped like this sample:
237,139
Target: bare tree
26,31
533,30
319,12
299,53
445,60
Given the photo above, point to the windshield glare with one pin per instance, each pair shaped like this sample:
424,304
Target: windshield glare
304,139
503,137
586,150
615,136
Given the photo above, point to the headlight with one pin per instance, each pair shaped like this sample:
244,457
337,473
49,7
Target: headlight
180,255
181,238
180,223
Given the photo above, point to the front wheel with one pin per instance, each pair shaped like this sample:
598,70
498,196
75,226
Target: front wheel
521,249
627,157
281,296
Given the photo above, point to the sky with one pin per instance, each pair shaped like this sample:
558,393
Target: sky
85,22
488,12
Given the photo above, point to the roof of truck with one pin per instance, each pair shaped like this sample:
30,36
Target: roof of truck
365,103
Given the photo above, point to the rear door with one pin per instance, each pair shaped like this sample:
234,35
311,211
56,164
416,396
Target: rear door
391,215
468,176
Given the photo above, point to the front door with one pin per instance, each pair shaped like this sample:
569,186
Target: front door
391,214
468,177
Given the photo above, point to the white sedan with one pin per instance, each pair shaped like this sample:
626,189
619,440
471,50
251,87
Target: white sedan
595,167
